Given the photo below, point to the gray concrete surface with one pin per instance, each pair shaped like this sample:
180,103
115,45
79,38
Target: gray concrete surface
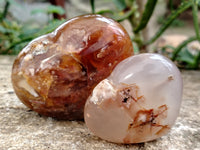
22,129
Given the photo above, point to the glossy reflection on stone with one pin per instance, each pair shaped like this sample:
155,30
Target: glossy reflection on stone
55,73
138,102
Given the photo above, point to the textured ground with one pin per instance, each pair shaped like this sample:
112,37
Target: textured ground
23,129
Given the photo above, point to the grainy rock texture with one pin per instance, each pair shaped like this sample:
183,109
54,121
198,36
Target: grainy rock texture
22,129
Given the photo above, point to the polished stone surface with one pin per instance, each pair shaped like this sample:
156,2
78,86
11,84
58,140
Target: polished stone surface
23,129
138,102
55,73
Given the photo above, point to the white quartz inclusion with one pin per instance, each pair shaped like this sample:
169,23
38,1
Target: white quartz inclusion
138,102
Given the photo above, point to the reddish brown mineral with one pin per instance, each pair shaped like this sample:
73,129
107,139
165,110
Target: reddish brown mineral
55,73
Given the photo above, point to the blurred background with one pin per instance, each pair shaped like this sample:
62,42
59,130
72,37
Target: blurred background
169,27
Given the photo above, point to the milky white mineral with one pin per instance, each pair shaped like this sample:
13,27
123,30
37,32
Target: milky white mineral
138,102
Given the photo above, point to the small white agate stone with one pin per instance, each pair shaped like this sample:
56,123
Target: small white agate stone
138,102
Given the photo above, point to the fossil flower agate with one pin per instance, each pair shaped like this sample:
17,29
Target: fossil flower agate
55,73
138,102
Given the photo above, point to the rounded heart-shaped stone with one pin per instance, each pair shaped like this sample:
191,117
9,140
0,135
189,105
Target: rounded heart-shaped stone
138,102
55,73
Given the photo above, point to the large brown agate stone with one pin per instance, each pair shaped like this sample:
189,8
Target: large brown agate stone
55,73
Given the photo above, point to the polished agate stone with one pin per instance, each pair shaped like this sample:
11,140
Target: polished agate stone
138,102
55,73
